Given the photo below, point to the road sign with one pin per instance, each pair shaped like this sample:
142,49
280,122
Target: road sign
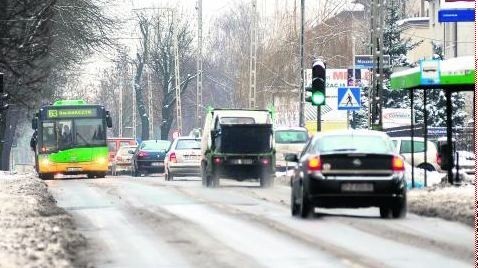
348,98
430,72
175,134
366,61
456,15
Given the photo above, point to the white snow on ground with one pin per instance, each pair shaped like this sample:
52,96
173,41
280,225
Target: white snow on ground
438,199
455,203
34,231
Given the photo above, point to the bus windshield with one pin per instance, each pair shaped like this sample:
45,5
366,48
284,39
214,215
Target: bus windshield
63,134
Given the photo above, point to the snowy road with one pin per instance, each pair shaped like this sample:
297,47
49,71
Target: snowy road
147,222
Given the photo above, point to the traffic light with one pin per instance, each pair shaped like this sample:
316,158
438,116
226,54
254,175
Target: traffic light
317,95
3,95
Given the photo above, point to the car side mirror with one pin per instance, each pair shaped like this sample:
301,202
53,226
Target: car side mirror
109,121
289,157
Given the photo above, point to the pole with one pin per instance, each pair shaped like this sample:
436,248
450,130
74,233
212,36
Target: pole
134,111
449,136
150,106
179,116
253,57
380,26
425,130
373,51
120,112
319,119
302,90
199,68
412,134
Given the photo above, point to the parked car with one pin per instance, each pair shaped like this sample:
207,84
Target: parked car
114,144
183,158
288,140
403,146
149,157
122,162
349,169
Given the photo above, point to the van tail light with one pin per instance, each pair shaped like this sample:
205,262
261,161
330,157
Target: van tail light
398,164
265,161
314,164
142,154
172,158
438,159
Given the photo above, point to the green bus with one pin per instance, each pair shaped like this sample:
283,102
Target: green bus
70,138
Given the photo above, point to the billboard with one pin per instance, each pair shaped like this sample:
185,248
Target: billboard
396,118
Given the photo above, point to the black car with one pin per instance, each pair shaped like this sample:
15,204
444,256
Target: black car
349,169
149,157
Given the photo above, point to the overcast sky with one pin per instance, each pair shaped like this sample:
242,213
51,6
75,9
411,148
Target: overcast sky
125,10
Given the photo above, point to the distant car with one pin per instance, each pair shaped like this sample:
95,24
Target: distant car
114,144
149,157
288,140
349,169
466,162
183,158
122,162
403,146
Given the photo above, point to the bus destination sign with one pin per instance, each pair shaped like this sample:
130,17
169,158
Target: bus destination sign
68,113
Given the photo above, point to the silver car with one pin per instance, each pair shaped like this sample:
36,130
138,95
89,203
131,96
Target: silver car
183,158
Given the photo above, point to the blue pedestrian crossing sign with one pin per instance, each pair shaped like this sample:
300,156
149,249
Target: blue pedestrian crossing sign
349,98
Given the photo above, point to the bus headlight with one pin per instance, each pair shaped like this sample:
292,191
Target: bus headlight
45,162
101,160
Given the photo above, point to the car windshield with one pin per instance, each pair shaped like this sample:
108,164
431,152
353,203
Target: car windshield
188,144
353,143
155,145
291,136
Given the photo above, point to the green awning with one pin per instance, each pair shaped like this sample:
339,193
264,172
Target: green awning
455,73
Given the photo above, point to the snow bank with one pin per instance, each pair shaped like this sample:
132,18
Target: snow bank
34,231
455,203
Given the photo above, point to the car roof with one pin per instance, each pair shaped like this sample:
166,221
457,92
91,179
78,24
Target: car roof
154,141
188,138
352,132
290,128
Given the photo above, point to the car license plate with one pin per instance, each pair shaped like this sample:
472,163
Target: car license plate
73,169
357,187
156,164
241,161
191,157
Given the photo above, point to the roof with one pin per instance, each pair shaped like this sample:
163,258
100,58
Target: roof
455,73
353,132
290,128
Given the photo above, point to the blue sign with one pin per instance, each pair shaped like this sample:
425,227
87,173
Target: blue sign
430,72
366,61
456,15
349,98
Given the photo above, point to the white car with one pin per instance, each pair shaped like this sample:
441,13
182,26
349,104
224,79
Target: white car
288,140
183,158
403,146
122,161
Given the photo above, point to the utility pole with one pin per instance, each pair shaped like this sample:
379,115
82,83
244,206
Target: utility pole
120,116
199,67
301,90
134,111
150,106
176,75
253,57
376,25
